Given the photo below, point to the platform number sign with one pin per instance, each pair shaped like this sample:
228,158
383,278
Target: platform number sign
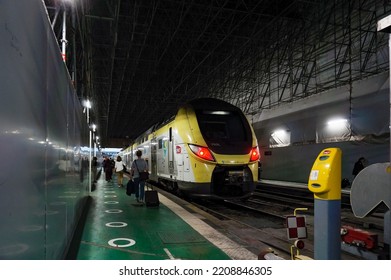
296,227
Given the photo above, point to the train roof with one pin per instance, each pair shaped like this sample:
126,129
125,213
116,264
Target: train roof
209,103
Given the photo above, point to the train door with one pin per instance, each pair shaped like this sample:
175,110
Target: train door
171,150
153,157
182,162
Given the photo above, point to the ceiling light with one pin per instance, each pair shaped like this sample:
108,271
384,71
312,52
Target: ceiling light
337,122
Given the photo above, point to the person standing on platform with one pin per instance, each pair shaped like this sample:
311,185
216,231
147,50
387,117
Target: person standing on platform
360,164
108,169
139,165
119,171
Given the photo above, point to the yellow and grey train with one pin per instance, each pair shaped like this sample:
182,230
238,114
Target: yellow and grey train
208,149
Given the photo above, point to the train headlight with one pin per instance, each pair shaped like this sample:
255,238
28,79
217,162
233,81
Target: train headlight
202,152
254,154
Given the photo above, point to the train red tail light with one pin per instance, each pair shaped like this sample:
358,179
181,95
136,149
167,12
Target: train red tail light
202,152
254,154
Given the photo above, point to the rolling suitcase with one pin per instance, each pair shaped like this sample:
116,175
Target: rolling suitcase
151,197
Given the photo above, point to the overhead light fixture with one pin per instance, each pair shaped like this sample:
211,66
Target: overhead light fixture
279,133
337,122
217,112
87,104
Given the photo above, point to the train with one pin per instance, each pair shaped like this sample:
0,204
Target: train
207,149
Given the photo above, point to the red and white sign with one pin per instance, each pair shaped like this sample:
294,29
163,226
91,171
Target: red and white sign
178,149
296,227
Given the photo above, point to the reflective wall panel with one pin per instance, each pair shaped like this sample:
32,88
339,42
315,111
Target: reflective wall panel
42,192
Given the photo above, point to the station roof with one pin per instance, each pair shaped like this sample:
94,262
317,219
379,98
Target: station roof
137,60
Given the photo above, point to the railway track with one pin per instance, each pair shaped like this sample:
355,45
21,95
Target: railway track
260,221
304,199
265,216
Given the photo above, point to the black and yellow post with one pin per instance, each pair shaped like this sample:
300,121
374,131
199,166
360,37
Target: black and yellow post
325,183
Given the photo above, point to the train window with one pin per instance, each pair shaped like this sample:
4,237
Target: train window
160,144
228,126
225,131
215,130
170,132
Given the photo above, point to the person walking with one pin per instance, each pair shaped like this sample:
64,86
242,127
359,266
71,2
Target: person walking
139,165
108,169
119,171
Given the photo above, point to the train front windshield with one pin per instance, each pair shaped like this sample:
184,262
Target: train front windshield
225,132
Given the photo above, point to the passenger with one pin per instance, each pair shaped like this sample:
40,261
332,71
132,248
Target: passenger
119,171
138,166
108,169
360,164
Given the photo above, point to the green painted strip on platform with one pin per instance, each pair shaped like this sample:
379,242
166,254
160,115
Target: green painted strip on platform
137,232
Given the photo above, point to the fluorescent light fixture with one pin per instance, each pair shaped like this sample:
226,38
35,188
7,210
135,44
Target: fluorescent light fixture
217,112
337,122
87,104
69,1
279,133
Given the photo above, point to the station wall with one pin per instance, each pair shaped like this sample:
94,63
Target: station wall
364,109
43,174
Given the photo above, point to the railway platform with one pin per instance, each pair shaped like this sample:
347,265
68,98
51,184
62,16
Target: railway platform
116,227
